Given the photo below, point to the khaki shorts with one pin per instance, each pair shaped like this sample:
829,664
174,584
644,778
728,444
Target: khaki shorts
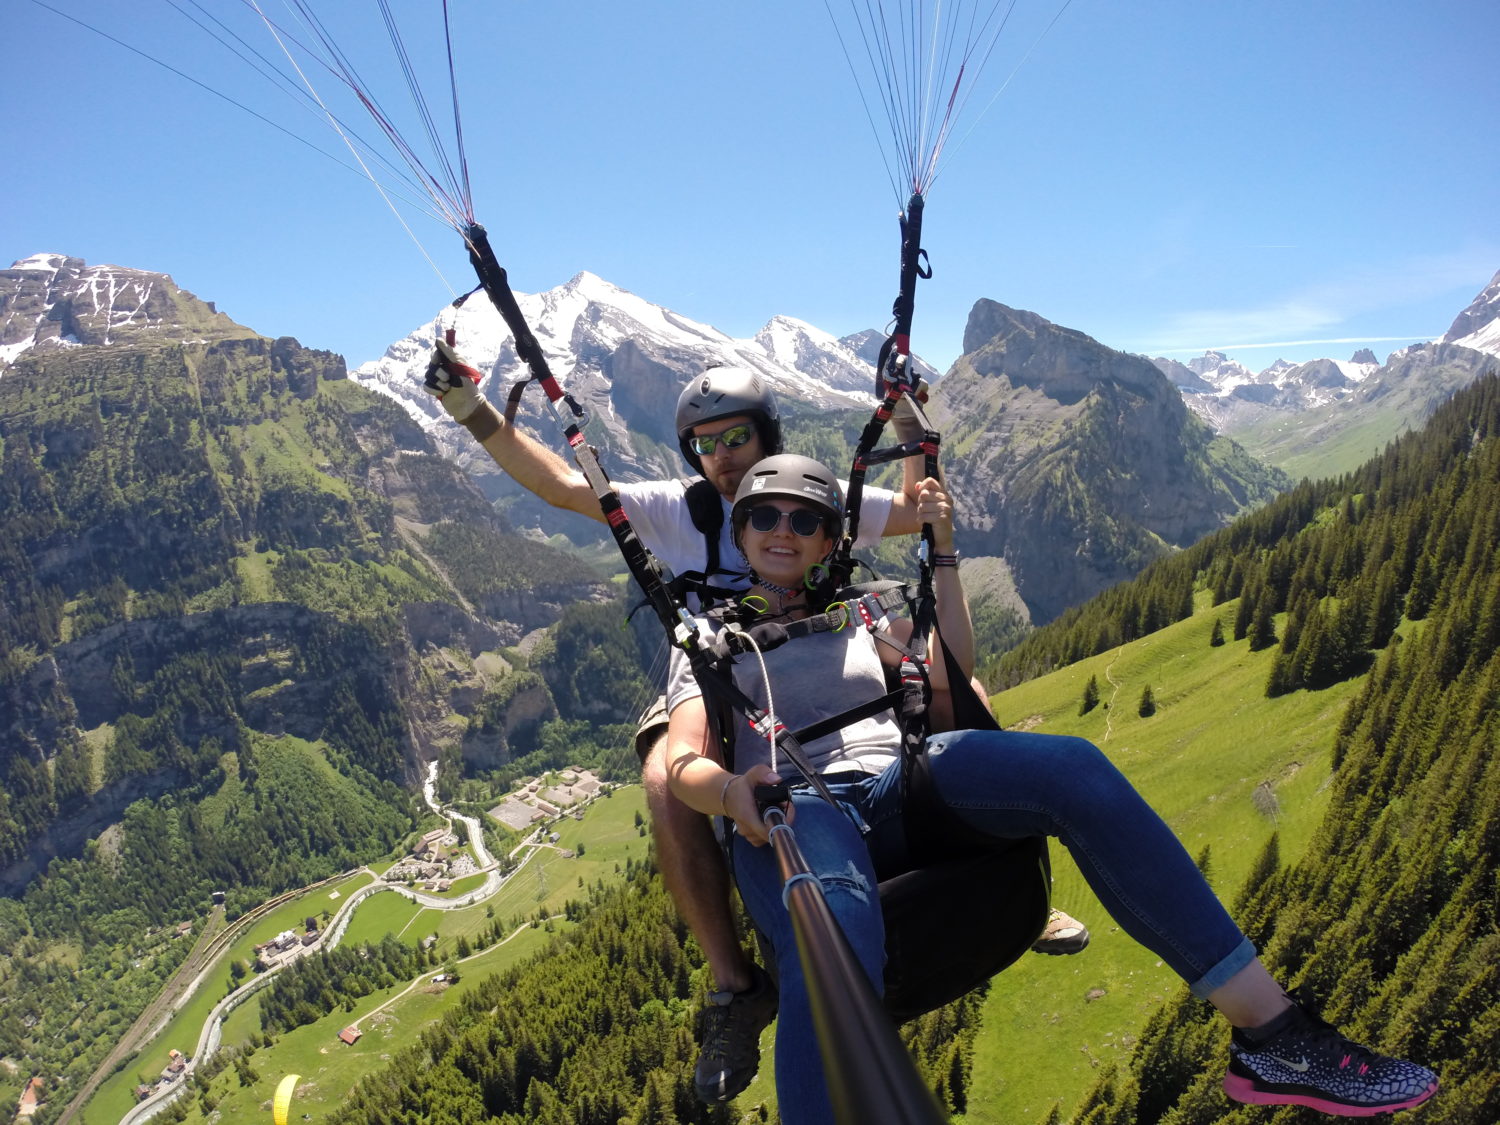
651,729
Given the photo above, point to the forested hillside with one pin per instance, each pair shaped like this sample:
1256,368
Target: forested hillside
1389,919
243,602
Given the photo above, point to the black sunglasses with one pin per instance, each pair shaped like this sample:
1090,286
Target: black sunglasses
764,517
733,438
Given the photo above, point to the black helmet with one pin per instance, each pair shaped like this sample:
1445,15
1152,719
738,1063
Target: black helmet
794,477
723,392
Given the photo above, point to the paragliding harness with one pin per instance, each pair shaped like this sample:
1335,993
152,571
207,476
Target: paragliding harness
969,905
934,952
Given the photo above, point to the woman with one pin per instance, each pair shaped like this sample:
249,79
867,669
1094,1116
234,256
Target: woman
786,517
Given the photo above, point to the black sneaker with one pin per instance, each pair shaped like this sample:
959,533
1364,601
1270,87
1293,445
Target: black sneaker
732,1023
1298,1059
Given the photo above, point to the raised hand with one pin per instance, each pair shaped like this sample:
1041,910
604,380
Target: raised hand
454,382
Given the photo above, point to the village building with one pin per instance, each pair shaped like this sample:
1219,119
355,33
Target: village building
31,1097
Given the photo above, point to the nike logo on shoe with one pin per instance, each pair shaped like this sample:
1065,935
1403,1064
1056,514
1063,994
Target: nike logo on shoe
1301,1067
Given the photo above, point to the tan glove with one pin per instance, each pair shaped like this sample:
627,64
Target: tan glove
454,382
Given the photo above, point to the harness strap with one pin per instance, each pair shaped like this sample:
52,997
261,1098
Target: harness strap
886,702
720,688
706,510
850,604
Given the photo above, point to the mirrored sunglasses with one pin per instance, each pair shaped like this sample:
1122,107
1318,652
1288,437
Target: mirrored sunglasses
733,438
804,522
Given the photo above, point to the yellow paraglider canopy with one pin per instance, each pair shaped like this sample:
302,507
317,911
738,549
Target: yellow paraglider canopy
283,1100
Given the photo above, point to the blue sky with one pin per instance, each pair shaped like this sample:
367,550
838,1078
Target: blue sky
1166,176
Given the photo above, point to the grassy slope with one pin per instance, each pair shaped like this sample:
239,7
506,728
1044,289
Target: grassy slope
1214,738
1301,445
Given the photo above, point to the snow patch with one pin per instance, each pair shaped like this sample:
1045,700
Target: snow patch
1486,340
10,352
49,263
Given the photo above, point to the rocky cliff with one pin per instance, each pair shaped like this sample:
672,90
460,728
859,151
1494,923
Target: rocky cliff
1075,463
209,542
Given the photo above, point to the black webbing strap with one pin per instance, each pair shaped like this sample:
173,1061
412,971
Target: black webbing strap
857,608
893,369
642,565
718,687
852,608
890,701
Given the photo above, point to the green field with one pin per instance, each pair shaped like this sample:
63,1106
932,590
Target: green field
608,835
116,1095
328,1066
1214,739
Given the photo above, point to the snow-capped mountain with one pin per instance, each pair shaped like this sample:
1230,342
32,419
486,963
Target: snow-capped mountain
1326,416
1478,326
1231,398
1228,395
50,301
797,345
1218,370
1311,383
624,359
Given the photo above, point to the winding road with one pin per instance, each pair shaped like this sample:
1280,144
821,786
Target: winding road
216,940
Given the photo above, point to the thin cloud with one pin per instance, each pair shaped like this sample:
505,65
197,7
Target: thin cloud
1330,304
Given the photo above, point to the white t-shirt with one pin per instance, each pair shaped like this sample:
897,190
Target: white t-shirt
658,511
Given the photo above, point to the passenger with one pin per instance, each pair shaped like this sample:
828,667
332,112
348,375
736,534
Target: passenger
787,516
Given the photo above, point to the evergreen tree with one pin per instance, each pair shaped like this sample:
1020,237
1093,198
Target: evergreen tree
1216,636
1244,614
1090,696
1147,706
1262,632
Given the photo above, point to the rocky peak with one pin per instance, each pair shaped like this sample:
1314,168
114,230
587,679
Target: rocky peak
54,301
1062,363
1364,355
1478,326
1183,377
1077,463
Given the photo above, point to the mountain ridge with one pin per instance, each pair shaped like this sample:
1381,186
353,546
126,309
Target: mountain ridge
1287,412
53,301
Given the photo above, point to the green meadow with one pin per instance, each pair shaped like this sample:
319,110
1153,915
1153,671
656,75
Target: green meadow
389,1019
115,1097
1225,767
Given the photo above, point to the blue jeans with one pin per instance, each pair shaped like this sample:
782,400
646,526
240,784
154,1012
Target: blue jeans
1005,784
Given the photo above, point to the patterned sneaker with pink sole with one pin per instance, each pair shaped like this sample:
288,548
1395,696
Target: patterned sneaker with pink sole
1298,1059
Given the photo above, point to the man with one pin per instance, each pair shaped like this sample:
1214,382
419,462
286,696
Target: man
726,421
